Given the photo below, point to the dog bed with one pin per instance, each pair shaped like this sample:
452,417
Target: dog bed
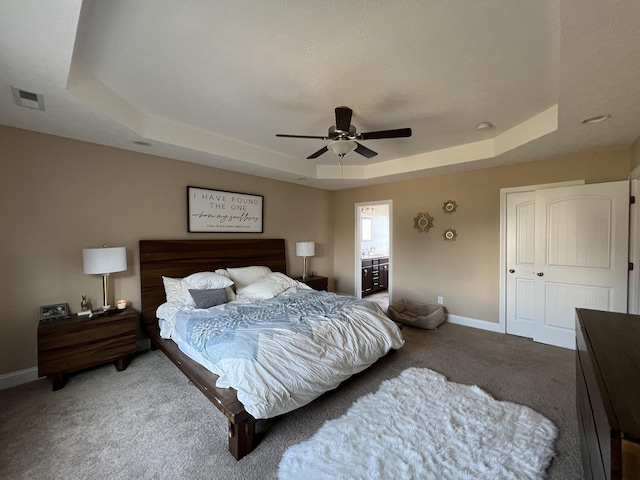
415,314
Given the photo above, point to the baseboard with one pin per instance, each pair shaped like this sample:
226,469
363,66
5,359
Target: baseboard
13,379
473,322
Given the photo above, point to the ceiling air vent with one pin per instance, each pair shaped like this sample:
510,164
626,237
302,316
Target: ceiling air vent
28,99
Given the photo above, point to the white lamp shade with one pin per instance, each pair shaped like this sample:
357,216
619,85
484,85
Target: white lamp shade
305,249
101,261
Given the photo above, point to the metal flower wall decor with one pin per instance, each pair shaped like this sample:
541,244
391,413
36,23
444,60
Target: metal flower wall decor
449,235
423,222
450,206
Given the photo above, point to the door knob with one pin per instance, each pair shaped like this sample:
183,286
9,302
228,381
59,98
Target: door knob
511,270
540,274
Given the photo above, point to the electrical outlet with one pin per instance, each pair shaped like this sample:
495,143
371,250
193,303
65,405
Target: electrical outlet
440,300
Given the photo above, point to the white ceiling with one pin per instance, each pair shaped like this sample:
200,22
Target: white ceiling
212,81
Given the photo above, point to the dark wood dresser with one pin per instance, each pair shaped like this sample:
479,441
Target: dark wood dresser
608,393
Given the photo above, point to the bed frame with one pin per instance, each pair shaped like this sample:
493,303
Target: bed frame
179,258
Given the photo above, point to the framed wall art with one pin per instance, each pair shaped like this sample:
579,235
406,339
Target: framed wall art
217,211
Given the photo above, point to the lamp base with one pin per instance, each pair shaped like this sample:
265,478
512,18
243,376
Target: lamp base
304,269
110,311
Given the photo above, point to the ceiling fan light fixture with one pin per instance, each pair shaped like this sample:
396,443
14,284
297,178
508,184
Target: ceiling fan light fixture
342,147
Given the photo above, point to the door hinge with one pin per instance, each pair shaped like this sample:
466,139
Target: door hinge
632,200
630,266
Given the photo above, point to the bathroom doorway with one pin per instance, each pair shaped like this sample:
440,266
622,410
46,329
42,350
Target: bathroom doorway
373,251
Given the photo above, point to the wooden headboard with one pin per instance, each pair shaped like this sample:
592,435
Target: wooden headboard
179,258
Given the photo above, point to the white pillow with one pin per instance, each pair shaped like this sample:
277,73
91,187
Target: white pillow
244,276
231,293
202,280
177,289
267,287
173,289
223,272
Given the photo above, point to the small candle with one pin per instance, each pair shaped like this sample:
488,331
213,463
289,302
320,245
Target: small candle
122,304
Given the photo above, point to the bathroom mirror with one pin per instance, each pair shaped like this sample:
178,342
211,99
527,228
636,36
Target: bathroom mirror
365,229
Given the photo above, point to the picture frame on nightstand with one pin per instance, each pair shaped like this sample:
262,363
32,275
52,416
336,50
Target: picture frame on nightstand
58,310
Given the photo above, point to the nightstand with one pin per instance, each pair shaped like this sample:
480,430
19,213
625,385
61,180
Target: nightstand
315,281
73,343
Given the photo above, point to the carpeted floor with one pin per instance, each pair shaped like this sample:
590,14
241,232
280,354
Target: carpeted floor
381,298
148,422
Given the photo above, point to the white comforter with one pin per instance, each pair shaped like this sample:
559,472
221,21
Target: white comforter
282,353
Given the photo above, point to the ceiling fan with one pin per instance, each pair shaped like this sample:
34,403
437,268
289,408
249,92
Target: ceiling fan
344,136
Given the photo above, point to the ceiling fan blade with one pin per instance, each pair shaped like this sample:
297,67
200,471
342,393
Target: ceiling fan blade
343,118
318,153
301,136
397,133
364,151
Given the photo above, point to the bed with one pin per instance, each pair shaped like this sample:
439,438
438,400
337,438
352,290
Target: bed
182,258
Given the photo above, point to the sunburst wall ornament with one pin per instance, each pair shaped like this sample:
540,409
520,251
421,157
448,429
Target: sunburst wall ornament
449,235
423,222
450,206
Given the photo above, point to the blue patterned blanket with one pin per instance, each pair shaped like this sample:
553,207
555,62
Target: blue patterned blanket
233,330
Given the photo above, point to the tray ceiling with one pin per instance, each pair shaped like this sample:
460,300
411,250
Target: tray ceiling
212,82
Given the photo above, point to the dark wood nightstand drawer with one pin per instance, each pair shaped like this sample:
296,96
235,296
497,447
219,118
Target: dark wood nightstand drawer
66,360
62,333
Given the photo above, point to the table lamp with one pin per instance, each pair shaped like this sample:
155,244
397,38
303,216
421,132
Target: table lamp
304,250
104,261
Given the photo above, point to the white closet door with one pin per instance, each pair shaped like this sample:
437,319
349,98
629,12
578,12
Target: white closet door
581,256
520,263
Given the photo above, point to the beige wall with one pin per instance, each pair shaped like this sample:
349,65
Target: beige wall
635,155
466,271
59,196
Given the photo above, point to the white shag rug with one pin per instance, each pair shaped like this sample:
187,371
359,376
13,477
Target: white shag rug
420,426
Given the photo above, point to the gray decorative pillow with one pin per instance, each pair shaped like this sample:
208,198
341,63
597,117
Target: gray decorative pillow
209,298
